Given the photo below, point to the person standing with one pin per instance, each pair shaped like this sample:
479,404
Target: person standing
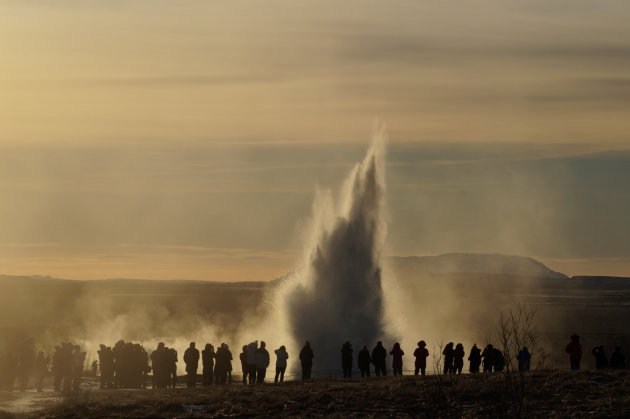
262,362
574,349
306,360
207,359
173,359
421,353
252,349
458,358
78,359
474,358
346,359
524,359
397,362
379,357
281,363
191,359
488,356
364,360
243,358
448,353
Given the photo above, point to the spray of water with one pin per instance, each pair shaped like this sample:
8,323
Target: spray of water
336,295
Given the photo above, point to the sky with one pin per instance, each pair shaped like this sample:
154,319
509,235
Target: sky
185,140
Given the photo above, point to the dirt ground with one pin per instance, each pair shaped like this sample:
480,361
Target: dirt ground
547,394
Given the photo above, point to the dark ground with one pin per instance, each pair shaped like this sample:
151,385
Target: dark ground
547,394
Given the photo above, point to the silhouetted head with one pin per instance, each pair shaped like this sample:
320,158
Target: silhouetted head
282,348
450,344
379,344
102,346
617,348
460,346
396,345
208,346
244,348
160,345
307,344
422,344
192,344
489,346
524,349
263,344
575,338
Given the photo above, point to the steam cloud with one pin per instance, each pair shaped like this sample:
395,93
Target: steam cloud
337,295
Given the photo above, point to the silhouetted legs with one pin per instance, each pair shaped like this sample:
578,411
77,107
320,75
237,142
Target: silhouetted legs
279,373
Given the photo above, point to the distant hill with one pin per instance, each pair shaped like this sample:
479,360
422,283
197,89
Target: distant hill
495,264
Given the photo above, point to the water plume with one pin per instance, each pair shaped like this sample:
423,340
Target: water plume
336,295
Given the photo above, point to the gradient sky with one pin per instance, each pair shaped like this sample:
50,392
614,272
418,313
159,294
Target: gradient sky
185,139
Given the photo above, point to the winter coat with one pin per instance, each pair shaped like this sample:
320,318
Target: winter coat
262,359
281,358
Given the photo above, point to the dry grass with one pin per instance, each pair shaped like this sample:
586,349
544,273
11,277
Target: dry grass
548,394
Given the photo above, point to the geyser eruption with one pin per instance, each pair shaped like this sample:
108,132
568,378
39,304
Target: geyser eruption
337,294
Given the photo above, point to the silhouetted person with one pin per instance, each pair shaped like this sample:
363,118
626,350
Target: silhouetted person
223,365
281,363
66,367
56,368
191,359
574,349
397,362
161,368
458,358
379,356
346,359
172,367
41,370
474,358
78,359
243,358
220,366
306,360
118,362
207,359
488,356
524,359
449,354
228,358
252,348
601,360
262,362
617,359
421,353
363,361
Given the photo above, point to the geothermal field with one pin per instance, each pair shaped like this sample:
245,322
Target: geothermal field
283,208
343,290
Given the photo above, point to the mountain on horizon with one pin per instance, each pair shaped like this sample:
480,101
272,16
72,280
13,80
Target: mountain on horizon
478,263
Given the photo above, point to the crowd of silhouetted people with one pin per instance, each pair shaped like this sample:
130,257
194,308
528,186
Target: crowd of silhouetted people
128,364
617,360
21,363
